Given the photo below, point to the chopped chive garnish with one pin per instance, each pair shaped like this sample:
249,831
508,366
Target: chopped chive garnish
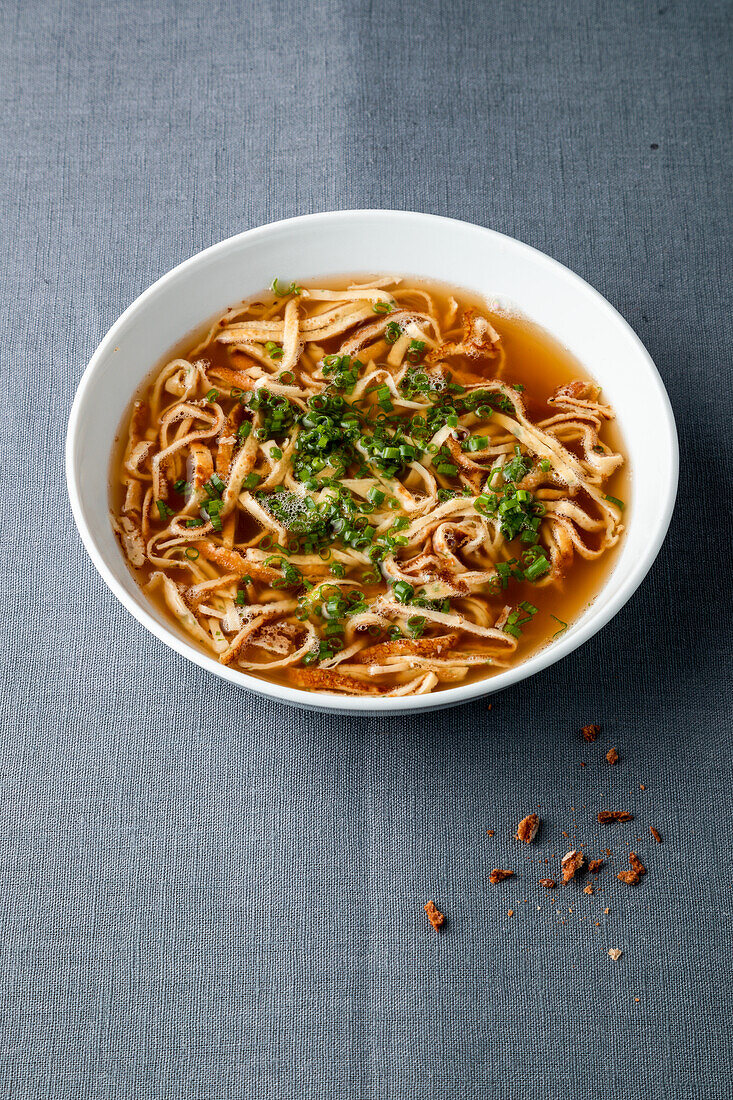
191,553
537,569
403,591
251,481
382,307
283,291
163,509
212,395
563,626
614,500
273,350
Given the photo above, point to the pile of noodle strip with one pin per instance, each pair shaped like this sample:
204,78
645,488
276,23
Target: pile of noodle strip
431,608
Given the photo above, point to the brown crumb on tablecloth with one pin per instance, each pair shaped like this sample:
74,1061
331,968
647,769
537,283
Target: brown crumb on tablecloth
490,832
636,864
571,864
527,828
498,875
594,865
588,889
548,883
590,733
510,912
629,877
612,756
436,918
615,953
605,817
655,834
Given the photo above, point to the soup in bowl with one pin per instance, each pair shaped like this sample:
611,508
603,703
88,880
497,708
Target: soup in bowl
376,489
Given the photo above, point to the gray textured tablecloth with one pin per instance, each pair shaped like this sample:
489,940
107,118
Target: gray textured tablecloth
205,895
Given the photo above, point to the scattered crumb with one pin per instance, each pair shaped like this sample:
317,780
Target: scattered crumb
489,832
590,733
605,817
629,877
498,875
612,756
548,883
489,706
588,889
595,865
642,787
655,834
510,912
636,864
571,864
606,912
566,834
615,953
636,999
527,828
436,918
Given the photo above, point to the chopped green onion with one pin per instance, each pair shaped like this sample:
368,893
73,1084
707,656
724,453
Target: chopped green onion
403,591
273,350
212,395
563,626
537,569
614,500
191,553
283,291
251,481
163,509
382,307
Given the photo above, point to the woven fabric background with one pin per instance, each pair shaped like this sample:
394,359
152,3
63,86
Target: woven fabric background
205,895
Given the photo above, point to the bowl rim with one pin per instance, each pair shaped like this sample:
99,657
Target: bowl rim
602,610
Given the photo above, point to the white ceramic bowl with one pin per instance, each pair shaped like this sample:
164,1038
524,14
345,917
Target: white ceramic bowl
503,270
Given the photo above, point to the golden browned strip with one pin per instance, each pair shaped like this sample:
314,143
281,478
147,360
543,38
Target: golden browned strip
233,562
234,377
327,680
227,442
420,647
